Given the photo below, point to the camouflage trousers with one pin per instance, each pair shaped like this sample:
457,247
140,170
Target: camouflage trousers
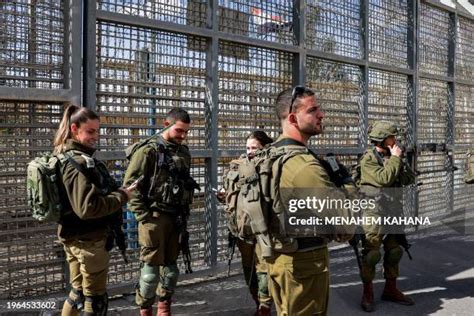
255,271
375,236
88,265
159,248
299,282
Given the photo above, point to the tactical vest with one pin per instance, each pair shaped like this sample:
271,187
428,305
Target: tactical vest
171,186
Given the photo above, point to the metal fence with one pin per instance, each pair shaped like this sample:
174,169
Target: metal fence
408,61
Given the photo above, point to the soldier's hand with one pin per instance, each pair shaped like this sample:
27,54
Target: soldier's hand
221,196
395,150
129,190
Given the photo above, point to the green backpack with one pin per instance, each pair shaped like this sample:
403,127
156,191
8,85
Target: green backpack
252,196
254,208
232,189
45,190
469,177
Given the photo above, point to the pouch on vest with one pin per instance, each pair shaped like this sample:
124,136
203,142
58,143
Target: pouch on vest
232,189
176,192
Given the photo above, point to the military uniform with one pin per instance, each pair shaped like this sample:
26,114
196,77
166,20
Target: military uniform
94,203
388,171
299,271
161,207
379,171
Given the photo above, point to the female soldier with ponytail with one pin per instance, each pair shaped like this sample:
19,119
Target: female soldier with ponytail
94,201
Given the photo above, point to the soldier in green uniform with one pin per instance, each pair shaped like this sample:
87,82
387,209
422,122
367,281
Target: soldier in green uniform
255,268
382,167
161,207
94,204
299,271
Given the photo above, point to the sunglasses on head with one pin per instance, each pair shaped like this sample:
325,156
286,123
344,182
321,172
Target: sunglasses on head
297,92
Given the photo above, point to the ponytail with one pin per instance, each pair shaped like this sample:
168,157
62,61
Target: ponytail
72,114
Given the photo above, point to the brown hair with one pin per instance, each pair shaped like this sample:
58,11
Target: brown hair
284,99
261,137
72,114
178,114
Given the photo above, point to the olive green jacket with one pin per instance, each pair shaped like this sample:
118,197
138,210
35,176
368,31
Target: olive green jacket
392,173
303,176
90,204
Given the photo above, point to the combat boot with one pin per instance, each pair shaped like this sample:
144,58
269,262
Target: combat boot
146,311
392,294
367,303
264,310
164,308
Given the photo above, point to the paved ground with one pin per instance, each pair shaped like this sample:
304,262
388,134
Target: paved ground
440,279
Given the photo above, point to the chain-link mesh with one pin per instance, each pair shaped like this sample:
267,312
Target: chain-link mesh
264,20
333,27
191,12
463,193
465,49
31,44
433,40
141,75
432,111
388,29
432,201
388,100
249,82
337,92
464,115
31,260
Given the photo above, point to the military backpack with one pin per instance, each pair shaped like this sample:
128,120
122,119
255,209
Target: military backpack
46,194
44,187
253,199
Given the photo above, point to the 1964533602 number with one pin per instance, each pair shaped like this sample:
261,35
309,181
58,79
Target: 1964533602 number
31,305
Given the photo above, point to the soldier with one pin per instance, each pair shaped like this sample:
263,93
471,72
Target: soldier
382,167
255,269
94,204
299,271
161,207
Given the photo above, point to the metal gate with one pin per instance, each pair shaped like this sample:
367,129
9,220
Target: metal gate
408,61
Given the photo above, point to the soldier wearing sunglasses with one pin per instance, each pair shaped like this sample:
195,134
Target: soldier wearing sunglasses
299,271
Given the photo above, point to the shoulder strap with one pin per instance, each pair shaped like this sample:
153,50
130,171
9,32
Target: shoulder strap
338,177
161,153
85,171
288,142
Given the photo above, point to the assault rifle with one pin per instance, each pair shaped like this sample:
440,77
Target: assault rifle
183,239
359,237
402,241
